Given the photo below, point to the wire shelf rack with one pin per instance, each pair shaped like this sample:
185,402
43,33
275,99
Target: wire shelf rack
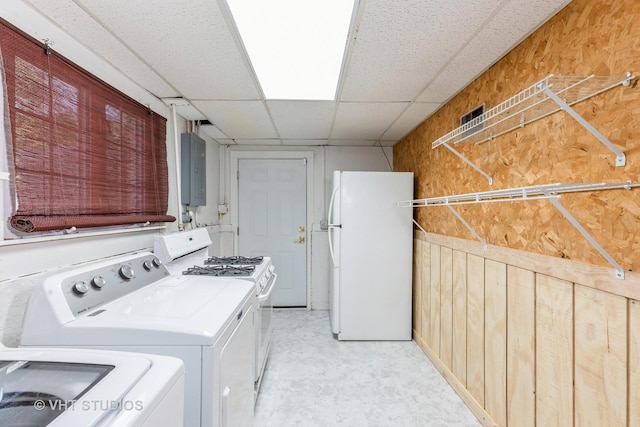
530,105
550,192
549,95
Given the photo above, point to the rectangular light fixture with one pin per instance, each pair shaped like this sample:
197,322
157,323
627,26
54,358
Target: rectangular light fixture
295,46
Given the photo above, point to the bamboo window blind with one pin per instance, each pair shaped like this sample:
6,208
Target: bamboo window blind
80,153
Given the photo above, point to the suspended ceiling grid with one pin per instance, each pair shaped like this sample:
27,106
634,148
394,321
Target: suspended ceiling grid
403,60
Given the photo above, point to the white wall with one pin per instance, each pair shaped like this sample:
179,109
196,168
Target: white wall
324,161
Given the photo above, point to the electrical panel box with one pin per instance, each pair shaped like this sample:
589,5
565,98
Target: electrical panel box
193,175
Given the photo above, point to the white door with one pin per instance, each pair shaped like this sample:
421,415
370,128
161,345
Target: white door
272,216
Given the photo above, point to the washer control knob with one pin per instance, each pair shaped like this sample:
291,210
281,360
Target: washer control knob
80,288
156,262
98,282
126,272
147,265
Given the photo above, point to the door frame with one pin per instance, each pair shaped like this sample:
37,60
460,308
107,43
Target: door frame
234,166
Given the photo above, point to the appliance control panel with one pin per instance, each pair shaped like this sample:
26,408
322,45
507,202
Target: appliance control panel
89,287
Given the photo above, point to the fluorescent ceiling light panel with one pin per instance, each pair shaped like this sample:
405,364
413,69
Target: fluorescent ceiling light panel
295,46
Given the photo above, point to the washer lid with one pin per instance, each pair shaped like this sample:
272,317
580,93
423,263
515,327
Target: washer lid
35,392
38,387
176,311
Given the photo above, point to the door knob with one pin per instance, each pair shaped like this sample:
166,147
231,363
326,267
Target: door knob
300,239
301,229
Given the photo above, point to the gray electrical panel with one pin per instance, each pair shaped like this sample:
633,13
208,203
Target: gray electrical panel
193,170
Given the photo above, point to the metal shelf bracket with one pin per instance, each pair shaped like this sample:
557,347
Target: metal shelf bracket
621,159
466,224
619,272
469,162
420,227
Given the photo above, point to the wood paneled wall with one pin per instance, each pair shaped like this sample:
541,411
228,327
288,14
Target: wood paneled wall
526,339
536,330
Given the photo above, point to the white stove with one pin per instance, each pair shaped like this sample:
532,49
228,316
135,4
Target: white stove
186,254
132,303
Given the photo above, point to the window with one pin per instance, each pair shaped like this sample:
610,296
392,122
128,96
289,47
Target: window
80,153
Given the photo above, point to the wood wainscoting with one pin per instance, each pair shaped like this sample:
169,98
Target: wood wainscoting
527,339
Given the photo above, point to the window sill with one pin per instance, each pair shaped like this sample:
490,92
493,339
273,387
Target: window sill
49,237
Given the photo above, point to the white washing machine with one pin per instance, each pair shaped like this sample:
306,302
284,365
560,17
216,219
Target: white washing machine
61,388
132,304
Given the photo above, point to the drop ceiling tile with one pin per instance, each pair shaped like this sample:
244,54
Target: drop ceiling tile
402,44
362,121
188,43
239,119
409,120
213,132
186,49
184,109
76,22
496,39
302,119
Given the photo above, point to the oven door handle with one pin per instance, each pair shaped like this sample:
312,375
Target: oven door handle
267,293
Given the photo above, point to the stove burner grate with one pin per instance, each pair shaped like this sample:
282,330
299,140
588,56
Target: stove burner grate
234,260
220,270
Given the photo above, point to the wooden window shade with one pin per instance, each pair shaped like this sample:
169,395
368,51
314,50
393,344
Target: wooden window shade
81,154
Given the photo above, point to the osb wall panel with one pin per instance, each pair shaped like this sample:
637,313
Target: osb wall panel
586,37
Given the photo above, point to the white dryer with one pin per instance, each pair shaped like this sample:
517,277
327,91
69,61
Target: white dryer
61,387
131,303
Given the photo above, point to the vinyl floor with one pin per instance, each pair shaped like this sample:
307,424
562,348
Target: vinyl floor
312,379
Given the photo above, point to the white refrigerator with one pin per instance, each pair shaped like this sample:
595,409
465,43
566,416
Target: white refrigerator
371,247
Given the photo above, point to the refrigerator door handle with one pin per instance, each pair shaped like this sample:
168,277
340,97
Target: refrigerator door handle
331,225
330,215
